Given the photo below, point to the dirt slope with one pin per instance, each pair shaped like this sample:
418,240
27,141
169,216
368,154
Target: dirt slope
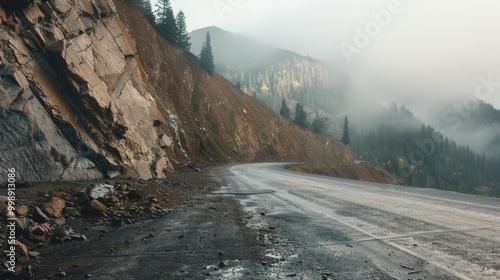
225,123
362,171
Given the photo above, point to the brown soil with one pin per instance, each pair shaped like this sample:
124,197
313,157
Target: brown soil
361,172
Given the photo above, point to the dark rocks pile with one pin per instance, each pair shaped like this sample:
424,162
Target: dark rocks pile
49,219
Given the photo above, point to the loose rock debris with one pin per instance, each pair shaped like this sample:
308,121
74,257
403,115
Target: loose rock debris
51,217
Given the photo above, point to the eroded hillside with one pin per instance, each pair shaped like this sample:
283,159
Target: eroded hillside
89,90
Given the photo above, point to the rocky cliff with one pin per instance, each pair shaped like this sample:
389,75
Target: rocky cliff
88,90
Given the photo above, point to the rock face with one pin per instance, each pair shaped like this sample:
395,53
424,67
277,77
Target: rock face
76,101
73,97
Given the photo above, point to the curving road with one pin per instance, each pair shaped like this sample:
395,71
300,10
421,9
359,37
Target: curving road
315,225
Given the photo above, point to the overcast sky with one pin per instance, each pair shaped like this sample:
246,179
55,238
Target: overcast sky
427,48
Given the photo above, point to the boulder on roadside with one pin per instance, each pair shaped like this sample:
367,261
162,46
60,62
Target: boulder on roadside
113,199
79,237
54,207
60,221
39,232
22,223
71,211
34,255
22,252
95,207
82,198
60,233
22,210
102,190
39,216
59,194
135,194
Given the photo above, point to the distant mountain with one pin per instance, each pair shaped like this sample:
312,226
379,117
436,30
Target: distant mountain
469,121
475,126
272,74
421,156
234,49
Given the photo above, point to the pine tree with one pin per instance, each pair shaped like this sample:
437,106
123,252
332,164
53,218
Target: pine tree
345,136
182,40
301,116
285,111
315,127
206,56
147,11
238,85
145,7
165,21
320,124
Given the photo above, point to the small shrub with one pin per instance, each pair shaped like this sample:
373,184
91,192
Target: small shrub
381,170
483,190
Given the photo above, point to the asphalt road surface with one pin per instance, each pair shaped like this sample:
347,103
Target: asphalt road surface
316,225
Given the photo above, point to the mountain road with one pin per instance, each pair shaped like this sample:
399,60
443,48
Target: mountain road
344,229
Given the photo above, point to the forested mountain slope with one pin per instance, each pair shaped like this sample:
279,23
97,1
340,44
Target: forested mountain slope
271,74
423,157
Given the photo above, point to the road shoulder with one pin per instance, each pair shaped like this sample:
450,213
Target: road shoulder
203,235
